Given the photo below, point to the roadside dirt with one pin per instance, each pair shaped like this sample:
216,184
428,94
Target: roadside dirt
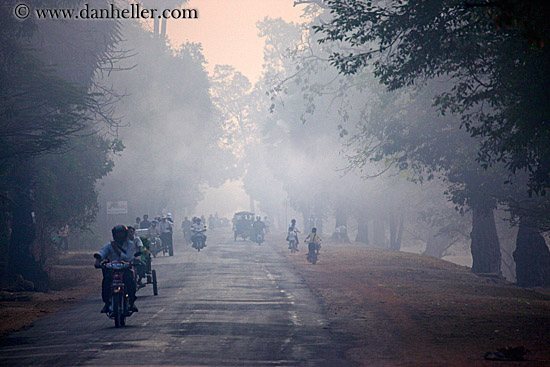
401,309
73,279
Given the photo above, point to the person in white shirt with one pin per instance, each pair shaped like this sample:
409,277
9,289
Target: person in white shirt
197,231
165,229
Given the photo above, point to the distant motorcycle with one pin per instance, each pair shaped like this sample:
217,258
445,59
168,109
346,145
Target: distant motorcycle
199,240
293,243
259,238
119,309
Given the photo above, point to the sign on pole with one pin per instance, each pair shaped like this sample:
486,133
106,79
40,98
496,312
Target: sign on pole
117,207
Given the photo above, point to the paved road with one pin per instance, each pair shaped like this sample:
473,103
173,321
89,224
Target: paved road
232,304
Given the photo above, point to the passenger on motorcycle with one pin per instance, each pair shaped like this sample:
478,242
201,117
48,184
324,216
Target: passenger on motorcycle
135,239
259,227
141,266
153,230
197,230
120,249
293,233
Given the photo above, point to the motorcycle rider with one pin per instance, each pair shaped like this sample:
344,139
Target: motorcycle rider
120,249
186,228
293,233
165,229
197,230
258,226
313,241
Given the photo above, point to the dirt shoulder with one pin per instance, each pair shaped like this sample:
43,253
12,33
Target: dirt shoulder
73,279
404,309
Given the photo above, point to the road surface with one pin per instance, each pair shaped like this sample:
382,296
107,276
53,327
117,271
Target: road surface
232,304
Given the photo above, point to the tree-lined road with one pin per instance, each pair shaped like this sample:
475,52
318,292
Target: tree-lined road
232,304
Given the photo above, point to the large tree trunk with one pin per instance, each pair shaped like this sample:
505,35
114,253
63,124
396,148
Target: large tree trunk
532,257
20,258
362,229
485,245
396,231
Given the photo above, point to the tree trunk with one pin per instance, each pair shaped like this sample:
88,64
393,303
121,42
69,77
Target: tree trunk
20,258
396,231
305,217
163,27
485,245
156,23
362,229
252,204
436,245
341,220
532,257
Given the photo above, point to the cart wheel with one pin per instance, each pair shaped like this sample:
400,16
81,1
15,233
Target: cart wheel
171,250
155,287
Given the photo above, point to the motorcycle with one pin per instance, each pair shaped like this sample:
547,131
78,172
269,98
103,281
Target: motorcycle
119,309
313,252
259,238
293,243
199,240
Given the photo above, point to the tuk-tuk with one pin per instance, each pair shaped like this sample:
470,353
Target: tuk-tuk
242,225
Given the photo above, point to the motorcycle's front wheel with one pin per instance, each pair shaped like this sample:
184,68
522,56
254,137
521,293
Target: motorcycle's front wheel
118,310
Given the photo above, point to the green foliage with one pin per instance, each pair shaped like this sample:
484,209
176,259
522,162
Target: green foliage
500,77
65,188
39,111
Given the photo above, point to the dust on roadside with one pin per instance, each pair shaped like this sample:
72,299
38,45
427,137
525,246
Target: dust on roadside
402,309
72,279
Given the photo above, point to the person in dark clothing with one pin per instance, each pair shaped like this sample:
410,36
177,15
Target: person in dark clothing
258,226
145,224
120,249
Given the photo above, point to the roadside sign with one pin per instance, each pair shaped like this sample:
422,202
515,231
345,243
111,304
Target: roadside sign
117,207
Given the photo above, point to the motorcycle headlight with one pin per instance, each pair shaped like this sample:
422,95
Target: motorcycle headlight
117,266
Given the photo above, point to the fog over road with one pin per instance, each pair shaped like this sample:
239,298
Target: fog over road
232,304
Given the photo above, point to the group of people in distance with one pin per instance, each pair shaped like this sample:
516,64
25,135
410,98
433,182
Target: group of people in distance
162,226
